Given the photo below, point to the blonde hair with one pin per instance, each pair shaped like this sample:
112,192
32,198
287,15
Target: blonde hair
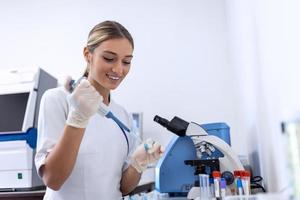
104,31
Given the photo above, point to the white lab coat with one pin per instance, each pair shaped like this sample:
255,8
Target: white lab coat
102,155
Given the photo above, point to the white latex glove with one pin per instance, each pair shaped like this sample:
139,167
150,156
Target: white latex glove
146,153
84,102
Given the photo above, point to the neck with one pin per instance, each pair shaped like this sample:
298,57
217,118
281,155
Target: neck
105,93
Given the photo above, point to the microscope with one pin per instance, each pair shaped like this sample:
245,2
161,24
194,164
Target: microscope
195,149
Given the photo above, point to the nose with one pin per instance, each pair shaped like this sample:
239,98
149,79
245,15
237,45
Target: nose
118,69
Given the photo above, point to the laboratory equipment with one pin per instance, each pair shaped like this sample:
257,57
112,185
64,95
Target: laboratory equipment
138,123
20,95
206,147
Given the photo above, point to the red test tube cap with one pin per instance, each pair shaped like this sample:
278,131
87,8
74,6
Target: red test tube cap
237,173
245,173
216,174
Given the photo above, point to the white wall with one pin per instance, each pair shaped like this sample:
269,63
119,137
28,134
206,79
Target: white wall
180,64
243,48
264,44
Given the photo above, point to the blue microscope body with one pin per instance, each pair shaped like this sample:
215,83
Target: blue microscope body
172,175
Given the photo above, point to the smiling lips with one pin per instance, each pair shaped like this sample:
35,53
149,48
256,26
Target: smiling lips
112,77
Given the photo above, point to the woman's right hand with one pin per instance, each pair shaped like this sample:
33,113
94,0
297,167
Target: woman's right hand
84,102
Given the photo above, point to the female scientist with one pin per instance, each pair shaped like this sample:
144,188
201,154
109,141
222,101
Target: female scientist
81,154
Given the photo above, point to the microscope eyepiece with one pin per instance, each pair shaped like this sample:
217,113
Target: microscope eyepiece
176,125
162,121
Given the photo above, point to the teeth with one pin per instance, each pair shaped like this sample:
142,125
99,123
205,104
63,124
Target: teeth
113,77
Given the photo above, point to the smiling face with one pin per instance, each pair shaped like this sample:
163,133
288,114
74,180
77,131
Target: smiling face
109,64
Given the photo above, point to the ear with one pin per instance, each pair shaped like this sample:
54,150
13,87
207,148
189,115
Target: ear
86,54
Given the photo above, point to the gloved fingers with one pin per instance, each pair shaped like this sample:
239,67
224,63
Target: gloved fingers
153,157
149,141
148,144
93,88
155,148
87,89
162,149
95,94
156,155
158,152
84,83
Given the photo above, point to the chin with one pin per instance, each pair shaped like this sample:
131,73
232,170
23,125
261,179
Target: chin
112,87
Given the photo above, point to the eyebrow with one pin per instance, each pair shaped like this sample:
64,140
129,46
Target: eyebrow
117,54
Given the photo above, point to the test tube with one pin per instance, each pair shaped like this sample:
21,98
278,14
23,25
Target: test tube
216,176
239,187
211,187
223,188
208,187
237,175
204,186
245,177
201,186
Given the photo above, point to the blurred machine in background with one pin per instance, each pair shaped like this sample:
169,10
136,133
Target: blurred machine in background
137,118
20,96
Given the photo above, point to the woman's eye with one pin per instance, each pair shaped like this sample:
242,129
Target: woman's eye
127,63
108,59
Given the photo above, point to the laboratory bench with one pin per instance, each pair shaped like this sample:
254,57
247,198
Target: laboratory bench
28,195
39,194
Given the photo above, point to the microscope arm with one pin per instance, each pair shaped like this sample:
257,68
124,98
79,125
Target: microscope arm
195,129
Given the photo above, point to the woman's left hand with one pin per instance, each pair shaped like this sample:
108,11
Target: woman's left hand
146,153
